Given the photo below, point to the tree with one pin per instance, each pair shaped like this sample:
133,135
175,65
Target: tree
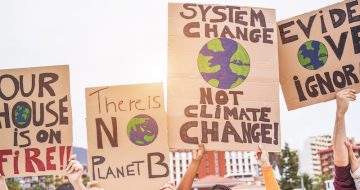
289,167
308,181
13,184
37,186
49,179
58,181
320,181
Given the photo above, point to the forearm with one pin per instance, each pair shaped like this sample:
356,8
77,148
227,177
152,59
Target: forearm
341,157
188,179
269,177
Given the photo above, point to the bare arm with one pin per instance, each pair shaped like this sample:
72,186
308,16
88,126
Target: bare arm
188,179
341,157
74,172
352,158
262,156
3,185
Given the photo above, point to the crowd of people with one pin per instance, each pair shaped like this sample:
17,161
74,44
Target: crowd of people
347,166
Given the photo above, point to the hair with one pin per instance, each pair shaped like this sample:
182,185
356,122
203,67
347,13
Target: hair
66,186
220,187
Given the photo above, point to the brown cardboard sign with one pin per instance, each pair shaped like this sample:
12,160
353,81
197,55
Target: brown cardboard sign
127,136
319,54
222,77
35,121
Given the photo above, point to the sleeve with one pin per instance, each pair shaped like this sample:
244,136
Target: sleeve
356,177
269,178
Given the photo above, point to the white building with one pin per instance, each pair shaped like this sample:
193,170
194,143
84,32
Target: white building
242,165
309,157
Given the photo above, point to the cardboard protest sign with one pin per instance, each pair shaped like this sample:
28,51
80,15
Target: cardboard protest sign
35,121
222,77
319,54
127,136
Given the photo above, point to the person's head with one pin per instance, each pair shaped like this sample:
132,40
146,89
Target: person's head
220,187
66,186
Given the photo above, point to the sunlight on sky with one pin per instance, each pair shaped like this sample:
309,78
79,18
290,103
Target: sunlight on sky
125,42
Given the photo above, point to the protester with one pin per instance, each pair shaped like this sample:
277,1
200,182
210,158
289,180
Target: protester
355,165
188,179
262,156
74,173
343,179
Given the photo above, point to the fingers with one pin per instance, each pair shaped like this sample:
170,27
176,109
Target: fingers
172,183
168,186
348,145
349,94
71,161
75,168
91,184
70,164
194,153
350,150
259,151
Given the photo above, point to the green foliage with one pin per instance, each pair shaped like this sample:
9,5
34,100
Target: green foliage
58,181
49,180
13,184
85,179
308,181
320,181
35,185
289,167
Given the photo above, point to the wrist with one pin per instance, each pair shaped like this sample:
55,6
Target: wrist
265,164
195,163
340,114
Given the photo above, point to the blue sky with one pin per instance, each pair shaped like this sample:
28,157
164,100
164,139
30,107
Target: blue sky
116,42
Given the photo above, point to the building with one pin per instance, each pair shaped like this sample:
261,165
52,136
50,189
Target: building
241,165
309,157
49,182
327,159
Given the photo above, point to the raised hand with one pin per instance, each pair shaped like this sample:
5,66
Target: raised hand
198,154
262,156
74,170
352,158
342,100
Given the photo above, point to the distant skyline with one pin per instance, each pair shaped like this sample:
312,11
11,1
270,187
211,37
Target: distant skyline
125,42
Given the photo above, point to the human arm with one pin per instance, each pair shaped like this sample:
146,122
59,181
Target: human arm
341,157
74,172
262,156
3,185
188,179
352,158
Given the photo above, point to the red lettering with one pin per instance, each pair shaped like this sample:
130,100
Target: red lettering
31,156
50,158
2,159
